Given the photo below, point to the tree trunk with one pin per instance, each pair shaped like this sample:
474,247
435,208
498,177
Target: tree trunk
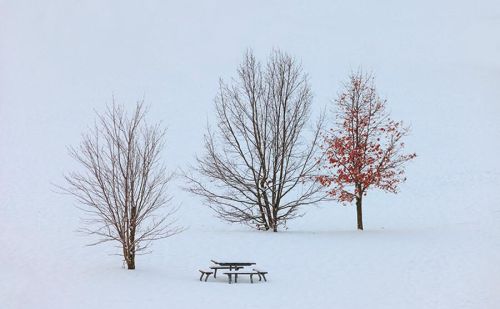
359,202
133,226
273,224
131,261
275,218
129,257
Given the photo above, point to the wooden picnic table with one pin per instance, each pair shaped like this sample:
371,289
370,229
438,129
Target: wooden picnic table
230,266
233,264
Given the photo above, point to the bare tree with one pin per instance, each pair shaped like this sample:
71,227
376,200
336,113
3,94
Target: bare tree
257,169
122,185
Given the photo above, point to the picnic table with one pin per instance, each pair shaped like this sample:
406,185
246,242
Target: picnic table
233,264
229,265
234,270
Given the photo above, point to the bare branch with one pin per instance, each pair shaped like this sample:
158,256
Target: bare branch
121,185
257,168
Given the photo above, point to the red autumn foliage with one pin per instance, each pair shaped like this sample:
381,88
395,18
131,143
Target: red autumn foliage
365,149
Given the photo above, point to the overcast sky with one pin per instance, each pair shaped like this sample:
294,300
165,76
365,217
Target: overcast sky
437,63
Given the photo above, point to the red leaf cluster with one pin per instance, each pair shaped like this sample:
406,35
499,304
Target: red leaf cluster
365,149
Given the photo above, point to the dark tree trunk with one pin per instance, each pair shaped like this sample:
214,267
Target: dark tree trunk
275,218
131,261
273,224
129,256
359,211
133,226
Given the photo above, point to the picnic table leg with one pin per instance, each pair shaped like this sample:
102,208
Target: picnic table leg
206,277
235,278
264,277
201,277
215,273
229,276
251,278
260,277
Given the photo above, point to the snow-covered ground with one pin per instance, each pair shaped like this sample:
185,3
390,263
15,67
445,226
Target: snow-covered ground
434,245
420,250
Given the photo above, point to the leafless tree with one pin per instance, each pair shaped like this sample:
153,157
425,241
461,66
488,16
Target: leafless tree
122,185
257,168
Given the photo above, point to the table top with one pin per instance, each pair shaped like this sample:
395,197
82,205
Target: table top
225,263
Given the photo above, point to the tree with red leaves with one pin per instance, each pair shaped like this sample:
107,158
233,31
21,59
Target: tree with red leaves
365,149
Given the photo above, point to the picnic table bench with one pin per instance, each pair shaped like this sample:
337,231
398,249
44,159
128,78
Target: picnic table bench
261,274
205,273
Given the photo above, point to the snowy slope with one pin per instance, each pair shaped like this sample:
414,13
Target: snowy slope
435,245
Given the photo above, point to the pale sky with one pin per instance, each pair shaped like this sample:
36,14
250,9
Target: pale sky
435,61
